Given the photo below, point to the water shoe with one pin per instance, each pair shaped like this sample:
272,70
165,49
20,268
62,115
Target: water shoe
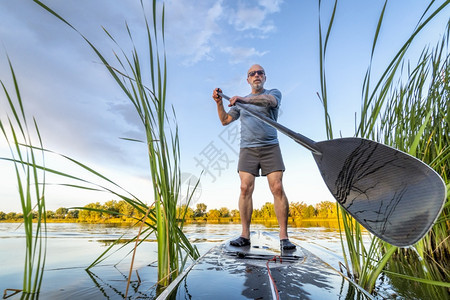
240,242
285,244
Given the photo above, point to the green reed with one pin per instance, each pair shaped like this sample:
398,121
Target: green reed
31,186
412,117
163,147
420,107
417,277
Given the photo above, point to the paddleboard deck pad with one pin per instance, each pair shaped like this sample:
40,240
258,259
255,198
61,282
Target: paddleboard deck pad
228,272
263,248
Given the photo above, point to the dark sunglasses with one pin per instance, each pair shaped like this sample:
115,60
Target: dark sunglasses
259,72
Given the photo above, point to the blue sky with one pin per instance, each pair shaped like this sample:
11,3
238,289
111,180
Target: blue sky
211,43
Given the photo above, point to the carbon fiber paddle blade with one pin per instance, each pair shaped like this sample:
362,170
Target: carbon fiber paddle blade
392,194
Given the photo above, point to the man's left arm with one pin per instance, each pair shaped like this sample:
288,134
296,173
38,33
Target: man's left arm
263,100
270,100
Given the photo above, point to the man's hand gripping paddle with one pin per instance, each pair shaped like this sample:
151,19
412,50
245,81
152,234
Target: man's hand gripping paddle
392,194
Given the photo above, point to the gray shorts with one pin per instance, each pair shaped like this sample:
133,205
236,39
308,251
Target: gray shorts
267,158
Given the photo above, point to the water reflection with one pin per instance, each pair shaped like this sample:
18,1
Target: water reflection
72,247
407,263
110,289
103,285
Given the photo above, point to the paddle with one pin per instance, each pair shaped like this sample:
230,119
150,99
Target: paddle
392,194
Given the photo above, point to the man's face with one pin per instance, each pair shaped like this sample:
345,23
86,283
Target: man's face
256,77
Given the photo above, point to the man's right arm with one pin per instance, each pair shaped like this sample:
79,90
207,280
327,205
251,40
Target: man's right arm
224,117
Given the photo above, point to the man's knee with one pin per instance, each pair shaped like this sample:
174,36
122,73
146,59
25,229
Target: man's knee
276,187
246,188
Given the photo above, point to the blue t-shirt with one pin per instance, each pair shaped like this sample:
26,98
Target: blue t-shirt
254,132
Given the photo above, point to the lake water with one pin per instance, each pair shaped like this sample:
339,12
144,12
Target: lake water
71,247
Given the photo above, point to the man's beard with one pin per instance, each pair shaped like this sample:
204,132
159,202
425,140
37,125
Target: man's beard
258,86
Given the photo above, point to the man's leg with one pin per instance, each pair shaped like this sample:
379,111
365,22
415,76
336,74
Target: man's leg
246,201
280,201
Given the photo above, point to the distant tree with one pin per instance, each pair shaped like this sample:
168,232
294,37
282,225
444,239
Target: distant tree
73,214
213,214
310,212
268,210
224,212
126,209
189,213
297,209
50,214
235,213
2,216
35,214
326,209
111,206
11,216
201,210
186,212
90,213
256,214
61,212
84,215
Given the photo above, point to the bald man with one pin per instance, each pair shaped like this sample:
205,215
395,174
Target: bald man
259,152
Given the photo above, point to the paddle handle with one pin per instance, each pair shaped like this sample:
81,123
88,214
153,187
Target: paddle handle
299,138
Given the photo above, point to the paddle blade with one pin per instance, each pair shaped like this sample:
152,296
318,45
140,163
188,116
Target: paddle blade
392,194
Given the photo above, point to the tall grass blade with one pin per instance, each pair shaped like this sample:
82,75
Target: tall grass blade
427,281
162,142
31,187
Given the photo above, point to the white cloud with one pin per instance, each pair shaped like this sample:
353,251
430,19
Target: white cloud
196,31
241,54
252,17
191,28
62,82
271,6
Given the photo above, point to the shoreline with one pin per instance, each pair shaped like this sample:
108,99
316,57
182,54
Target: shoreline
188,221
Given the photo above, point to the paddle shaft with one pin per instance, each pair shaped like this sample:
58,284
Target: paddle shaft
299,138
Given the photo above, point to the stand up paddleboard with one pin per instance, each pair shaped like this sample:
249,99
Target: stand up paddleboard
261,271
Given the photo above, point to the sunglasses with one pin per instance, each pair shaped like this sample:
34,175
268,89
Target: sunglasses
253,73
